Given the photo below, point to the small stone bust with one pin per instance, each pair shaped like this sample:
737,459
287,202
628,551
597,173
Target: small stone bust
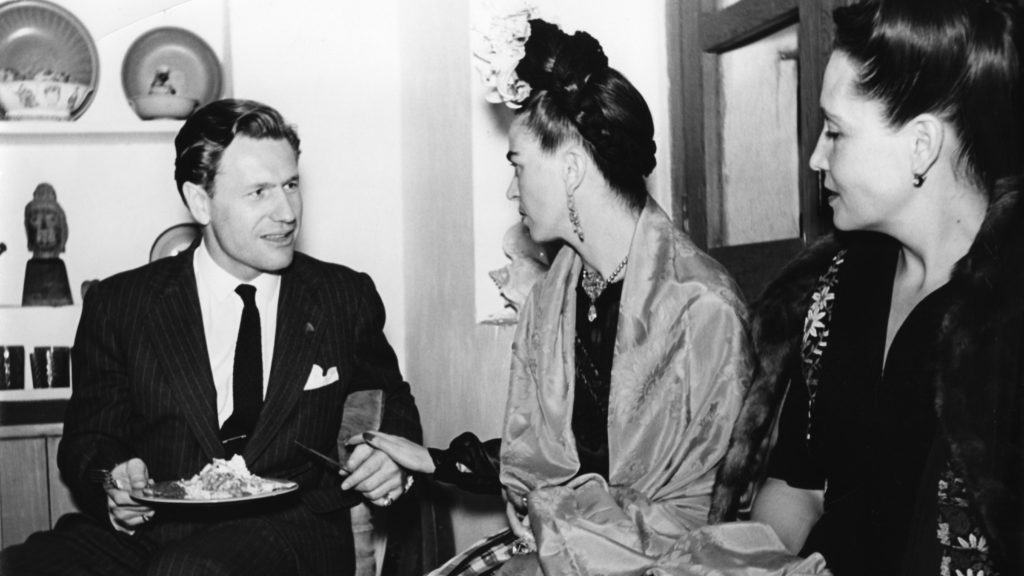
46,277
45,224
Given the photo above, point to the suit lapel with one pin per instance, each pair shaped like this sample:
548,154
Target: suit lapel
295,346
176,328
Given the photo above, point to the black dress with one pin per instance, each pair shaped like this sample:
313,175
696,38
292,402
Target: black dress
474,465
873,443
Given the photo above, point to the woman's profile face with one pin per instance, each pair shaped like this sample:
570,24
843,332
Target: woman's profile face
537,185
866,162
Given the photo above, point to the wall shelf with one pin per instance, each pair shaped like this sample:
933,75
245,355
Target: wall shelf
32,326
85,127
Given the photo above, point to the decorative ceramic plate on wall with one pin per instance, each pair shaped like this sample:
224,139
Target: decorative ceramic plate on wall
48,51
171,61
174,240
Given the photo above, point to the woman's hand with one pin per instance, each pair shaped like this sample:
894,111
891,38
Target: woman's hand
405,453
791,512
525,542
520,527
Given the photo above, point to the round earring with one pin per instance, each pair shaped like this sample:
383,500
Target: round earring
918,180
574,217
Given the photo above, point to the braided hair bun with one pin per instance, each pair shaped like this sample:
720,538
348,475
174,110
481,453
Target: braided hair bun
559,63
576,96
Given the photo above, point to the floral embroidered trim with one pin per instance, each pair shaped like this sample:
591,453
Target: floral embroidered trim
816,323
963,546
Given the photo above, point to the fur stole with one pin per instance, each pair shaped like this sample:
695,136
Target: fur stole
978,389
777,320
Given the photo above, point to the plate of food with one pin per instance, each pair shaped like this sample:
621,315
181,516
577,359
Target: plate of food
219,482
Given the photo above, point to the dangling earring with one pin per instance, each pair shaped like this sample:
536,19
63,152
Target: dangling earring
918,180
574,217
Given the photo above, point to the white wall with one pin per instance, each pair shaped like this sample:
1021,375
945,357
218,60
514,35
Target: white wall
332,69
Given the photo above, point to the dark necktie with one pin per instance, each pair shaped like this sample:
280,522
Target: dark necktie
248,376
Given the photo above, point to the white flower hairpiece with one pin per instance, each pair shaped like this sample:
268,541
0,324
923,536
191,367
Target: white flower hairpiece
499,43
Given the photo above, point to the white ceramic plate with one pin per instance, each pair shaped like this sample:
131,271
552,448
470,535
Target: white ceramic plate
195,71
174,240
165,493
36,36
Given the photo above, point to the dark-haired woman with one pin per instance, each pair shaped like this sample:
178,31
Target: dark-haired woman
892,353
631,355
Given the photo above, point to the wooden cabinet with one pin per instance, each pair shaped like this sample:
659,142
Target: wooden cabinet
32,496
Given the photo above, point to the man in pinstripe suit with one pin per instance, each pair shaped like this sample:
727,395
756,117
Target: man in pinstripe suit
154,361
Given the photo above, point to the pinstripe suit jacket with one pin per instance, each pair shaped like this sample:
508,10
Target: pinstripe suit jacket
143,385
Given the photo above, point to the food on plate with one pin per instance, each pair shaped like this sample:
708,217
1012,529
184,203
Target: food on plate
221,480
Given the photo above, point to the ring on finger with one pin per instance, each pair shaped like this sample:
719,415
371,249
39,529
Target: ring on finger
387,501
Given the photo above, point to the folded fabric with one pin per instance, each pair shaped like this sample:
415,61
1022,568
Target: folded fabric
736,549
587,527
318,377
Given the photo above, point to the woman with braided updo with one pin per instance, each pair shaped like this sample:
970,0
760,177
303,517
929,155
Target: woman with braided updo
631,355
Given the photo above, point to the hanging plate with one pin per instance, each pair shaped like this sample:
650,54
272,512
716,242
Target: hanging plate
193,68
37,36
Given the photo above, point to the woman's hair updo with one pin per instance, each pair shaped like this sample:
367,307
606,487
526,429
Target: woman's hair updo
957,59
576,96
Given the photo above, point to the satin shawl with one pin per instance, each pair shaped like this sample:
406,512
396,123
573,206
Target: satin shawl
682,363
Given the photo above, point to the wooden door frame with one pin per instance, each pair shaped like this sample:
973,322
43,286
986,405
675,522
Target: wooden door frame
700,34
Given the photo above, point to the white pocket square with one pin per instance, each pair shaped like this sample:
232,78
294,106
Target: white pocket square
318,377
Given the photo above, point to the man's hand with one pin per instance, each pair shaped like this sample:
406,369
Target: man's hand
126,513
374,474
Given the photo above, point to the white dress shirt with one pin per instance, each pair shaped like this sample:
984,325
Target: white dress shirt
222,312
222,307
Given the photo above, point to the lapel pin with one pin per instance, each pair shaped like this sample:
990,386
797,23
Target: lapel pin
310,328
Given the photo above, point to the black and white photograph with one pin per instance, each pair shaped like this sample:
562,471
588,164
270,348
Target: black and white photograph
511,288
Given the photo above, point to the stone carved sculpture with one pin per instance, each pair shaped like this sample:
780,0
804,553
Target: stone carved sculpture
46,277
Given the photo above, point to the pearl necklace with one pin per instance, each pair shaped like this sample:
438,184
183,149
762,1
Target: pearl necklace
594,284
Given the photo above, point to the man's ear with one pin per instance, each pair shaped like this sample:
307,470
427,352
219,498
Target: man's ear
198,202
928,134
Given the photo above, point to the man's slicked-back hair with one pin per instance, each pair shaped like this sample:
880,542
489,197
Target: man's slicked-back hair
201,142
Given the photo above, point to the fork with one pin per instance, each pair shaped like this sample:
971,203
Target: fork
103,478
